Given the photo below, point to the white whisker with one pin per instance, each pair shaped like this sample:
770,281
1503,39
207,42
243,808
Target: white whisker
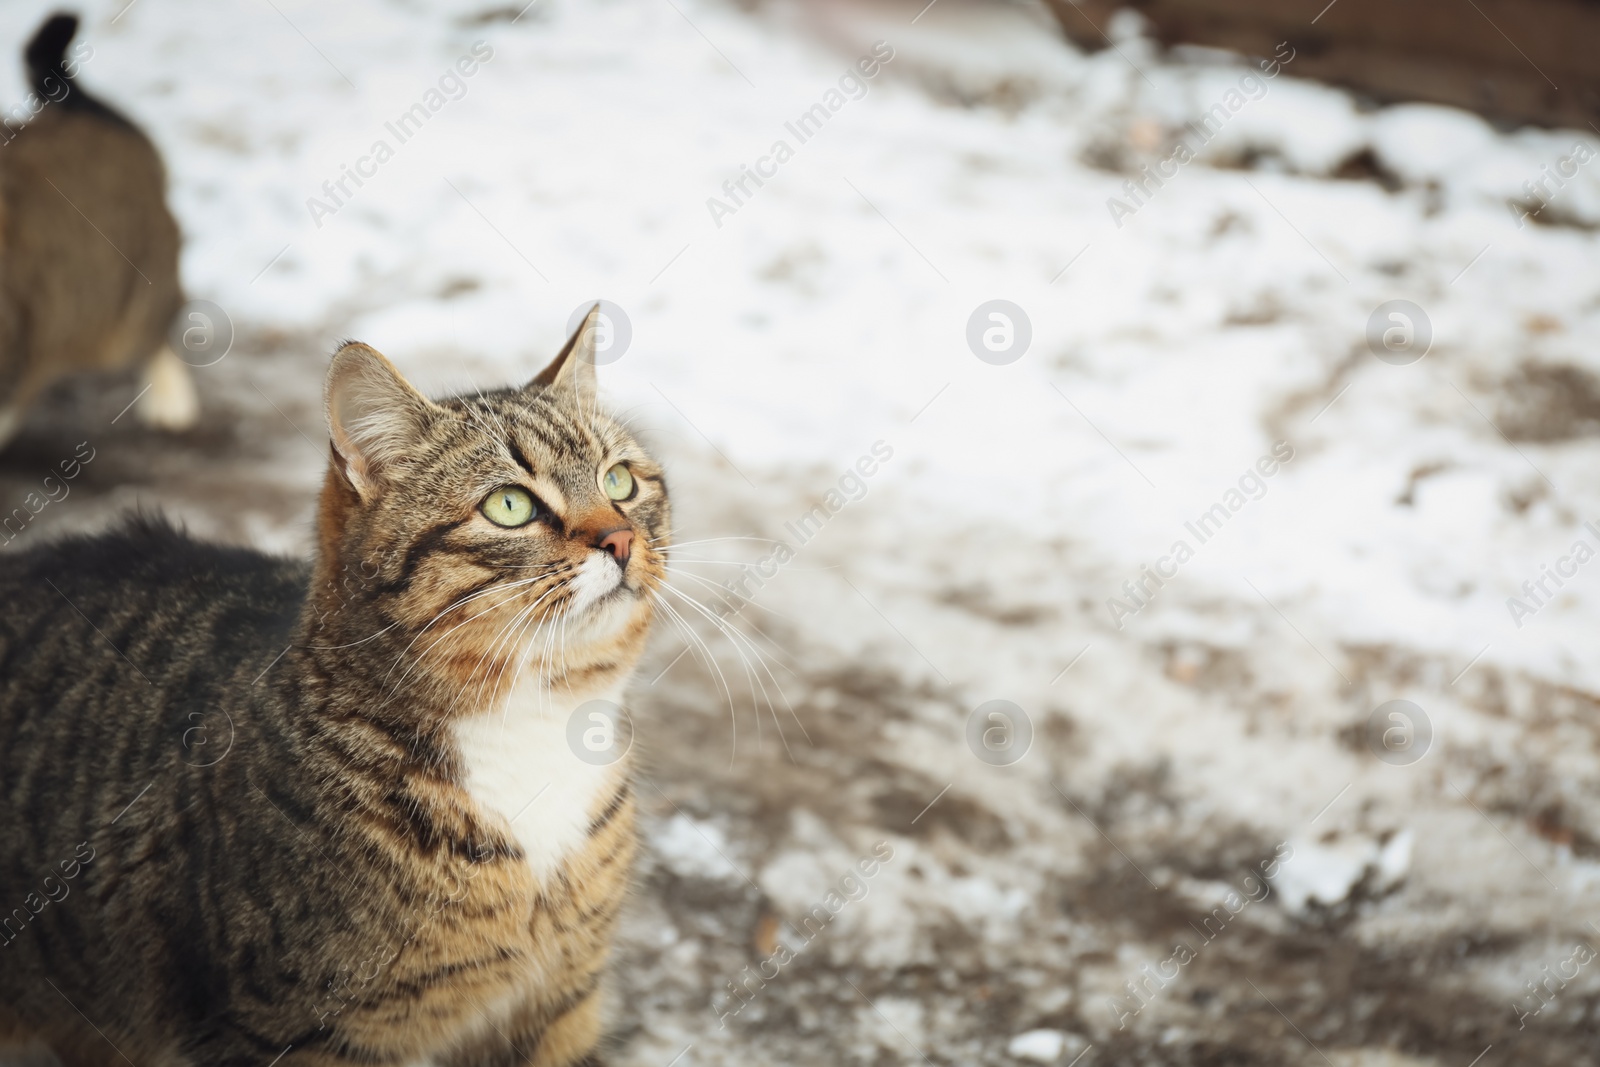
460,603
527,585
727,597
495,643
741,642
713,540
711,663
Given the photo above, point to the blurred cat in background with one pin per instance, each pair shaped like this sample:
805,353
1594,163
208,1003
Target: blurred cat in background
88,249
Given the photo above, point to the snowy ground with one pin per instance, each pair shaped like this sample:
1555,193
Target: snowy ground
1176,750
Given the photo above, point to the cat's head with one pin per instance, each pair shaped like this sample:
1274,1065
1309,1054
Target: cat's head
501,533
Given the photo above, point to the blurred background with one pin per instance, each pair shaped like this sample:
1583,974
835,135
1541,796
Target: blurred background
1307,289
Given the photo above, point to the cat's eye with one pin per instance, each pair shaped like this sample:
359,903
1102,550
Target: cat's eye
510,505
618,482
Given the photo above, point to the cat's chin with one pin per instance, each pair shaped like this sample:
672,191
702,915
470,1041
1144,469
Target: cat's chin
605,614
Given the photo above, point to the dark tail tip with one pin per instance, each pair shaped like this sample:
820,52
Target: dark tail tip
47,51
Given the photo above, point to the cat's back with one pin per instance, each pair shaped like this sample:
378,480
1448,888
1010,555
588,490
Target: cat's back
85,148
133,711
88,248
88,236
122,617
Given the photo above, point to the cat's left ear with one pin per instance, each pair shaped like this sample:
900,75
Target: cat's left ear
375,417
573,367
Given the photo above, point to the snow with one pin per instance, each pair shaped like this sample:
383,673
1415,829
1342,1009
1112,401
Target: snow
1325,872
694,849
1041,1046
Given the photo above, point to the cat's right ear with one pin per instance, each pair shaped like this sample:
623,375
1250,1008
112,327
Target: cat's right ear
573,367
374,416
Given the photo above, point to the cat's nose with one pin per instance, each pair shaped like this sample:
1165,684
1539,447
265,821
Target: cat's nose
618,542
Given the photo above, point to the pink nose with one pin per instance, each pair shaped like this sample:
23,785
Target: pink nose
619,543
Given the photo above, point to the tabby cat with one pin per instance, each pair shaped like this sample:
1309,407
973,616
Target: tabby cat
256,811
88,249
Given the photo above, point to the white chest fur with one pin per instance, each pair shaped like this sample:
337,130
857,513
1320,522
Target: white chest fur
519,768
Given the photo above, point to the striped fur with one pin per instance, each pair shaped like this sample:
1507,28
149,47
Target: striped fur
280,768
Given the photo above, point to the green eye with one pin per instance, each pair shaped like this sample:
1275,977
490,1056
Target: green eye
510,505
618,482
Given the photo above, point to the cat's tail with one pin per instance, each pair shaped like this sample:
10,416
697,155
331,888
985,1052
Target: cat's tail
46,55
49,74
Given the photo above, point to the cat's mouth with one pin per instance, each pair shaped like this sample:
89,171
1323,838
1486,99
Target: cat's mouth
599,582
599,614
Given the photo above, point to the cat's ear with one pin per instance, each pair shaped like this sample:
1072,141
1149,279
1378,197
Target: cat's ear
573,367
374,416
